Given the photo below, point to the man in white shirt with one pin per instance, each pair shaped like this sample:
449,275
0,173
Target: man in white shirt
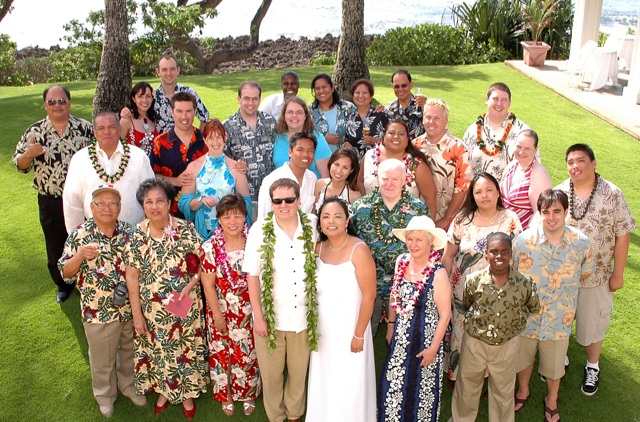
109,161
278,249
273,103
302,147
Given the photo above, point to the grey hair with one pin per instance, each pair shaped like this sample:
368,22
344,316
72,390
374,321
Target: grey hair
390,164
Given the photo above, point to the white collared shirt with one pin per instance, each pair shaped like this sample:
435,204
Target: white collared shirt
82,180
307,190
273,105
289,299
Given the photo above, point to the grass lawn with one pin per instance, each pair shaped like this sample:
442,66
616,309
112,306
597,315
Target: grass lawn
44,371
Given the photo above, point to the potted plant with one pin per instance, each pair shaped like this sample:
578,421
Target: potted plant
537,15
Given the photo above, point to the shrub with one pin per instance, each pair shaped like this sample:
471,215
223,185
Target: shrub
321,59
430,44
8,73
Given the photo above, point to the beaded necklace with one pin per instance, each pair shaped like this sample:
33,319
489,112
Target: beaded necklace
100,171
499,146
572,195
420,285
384,236
219,243
267,256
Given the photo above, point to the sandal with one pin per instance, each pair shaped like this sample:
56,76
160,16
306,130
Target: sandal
519,401
228,409
249,407
551,412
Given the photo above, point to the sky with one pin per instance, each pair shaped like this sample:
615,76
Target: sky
39,22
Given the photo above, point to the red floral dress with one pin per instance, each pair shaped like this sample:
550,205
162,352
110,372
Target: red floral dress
232,356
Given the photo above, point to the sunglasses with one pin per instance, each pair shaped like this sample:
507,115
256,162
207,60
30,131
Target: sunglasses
60,101
403,86
278,201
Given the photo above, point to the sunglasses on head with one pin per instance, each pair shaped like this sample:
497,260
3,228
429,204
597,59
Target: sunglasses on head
290,200
403,86
53,101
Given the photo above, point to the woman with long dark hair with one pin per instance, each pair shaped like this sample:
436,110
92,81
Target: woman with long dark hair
140,128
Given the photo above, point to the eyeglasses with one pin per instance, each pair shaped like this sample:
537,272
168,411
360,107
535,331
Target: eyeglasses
111,205
53,101
278,201
403,86
294,113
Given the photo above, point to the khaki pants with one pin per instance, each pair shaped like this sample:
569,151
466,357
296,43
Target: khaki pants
477,357
111,359
283,401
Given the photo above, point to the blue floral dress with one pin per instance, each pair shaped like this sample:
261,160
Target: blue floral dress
214,179
410,392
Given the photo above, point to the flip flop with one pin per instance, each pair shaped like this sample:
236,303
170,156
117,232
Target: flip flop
518,401
248,407
551,412
228,409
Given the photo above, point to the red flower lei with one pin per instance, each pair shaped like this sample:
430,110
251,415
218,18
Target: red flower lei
499,146
219,245
434,257
408,161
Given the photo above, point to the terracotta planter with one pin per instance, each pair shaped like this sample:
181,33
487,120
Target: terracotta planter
534,54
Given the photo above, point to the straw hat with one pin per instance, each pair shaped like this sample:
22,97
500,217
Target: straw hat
423,223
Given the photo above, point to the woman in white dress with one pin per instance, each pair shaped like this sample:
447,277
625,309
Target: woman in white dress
342,383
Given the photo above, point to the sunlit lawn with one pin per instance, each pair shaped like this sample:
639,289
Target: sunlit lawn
44,372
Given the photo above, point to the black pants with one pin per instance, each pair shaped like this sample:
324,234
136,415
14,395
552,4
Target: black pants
55,234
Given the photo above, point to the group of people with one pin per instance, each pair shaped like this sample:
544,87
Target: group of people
253,253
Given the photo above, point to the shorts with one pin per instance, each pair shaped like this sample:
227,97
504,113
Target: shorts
593,314
551,360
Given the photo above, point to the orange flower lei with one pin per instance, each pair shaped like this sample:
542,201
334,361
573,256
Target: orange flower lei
499,146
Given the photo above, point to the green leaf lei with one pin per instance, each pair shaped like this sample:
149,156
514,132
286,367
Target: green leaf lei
268,249
100,171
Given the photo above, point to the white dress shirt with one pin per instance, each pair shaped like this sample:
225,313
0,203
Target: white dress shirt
307,195
289,298
82,180
273,105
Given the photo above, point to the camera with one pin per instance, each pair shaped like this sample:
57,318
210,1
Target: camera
120,294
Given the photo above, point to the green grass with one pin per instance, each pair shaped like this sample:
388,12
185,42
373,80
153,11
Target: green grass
44,372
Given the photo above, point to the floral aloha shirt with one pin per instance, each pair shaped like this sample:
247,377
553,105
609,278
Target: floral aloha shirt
377,123
412,115
97,278
162,107
496,315
344,111
448,160
557,272
374,223
608,217
50,169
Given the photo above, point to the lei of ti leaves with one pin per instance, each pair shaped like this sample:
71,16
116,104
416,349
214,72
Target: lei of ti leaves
267,250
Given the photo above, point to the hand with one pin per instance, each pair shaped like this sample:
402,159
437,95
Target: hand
89,251
220,324
357,345
370,140
390,328
260,327
125,113
332,139
208,201
443,223
379,108
615,282
185,179
35,149
185,292
420,100
140,324
241,166
347,145
428,356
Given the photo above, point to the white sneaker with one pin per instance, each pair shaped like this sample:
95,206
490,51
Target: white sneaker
107,411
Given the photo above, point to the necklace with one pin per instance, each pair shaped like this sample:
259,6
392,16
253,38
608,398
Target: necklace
145,123
384,234
491,220
267,256
395,299
499,146
410,163
572,195
411,265
100,171
341,246
216,251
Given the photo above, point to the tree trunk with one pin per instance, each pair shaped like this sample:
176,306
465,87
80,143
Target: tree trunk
351,63
114,77
5,8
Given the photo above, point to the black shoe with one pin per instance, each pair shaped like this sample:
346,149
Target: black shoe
62,296
591,381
